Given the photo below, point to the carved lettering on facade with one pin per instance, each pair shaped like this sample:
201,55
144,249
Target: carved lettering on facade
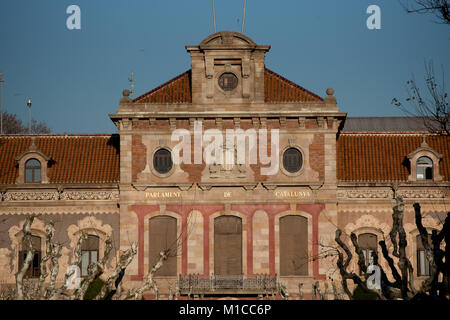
298,194
162,194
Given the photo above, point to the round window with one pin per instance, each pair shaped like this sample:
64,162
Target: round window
162,161
292,160
228,81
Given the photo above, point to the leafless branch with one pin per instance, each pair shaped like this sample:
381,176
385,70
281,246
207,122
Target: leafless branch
439,8
27,242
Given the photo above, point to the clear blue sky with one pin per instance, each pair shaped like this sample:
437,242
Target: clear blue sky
75,78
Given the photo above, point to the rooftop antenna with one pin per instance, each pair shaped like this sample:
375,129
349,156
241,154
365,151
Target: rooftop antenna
132,82
29,115
214,16
243,18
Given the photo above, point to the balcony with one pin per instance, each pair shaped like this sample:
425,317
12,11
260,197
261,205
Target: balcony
230,284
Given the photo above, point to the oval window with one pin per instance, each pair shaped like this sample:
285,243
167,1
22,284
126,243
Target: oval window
292,160
228,81
162,161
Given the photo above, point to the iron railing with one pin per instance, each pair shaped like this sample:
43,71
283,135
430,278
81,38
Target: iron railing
236,284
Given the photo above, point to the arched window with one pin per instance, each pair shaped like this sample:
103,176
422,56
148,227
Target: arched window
368,245
163,236
292,160
89,253
423,264
162,161
424,168
35,266
33,171
293,245
228,245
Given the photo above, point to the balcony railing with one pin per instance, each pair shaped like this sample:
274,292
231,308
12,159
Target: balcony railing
235,284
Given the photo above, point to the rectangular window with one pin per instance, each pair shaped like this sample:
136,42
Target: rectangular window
423,266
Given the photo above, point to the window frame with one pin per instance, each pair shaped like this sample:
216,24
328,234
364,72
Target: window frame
302,166
90,251
34,270
420,248
367,250
425,167
33,169
155,170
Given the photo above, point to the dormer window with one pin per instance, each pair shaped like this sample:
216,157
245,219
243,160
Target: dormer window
424,169
33,165
424,164
33,171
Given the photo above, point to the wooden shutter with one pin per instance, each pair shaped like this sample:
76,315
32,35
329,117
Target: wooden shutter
163,236
293,245
368,241
228,245
91,244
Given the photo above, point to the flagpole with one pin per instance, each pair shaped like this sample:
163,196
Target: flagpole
214,16
243,19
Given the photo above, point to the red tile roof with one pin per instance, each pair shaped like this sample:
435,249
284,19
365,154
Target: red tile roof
276,89
176,90
382,157
280,89
76,158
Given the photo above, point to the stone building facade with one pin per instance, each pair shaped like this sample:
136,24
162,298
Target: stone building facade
229,220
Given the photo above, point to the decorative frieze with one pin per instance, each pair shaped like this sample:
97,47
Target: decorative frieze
13,210
389,194
90,195
30,196
365,194
422,194
55,195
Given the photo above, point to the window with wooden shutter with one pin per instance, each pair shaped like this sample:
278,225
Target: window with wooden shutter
89,253
228,245
163,236
293,245
368,245
423,264
35,266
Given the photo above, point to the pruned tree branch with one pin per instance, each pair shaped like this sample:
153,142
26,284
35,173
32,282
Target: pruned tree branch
116,277
137,294
27,242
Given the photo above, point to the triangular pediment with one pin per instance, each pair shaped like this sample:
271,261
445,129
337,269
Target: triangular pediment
276,89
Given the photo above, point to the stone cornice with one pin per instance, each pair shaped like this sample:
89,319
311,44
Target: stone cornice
279,111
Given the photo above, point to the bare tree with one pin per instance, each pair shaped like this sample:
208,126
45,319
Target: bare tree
439,8
111,288
432,108
13,125
403,287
